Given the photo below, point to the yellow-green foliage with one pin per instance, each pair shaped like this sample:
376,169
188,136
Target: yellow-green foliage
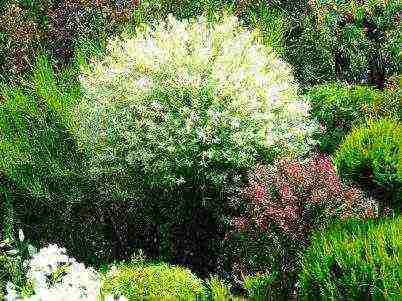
219,289
184,99
353,261
258,287
139,281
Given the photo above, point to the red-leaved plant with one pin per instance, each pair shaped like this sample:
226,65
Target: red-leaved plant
285,201
288,191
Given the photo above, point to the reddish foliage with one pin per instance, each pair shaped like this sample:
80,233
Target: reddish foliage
286,192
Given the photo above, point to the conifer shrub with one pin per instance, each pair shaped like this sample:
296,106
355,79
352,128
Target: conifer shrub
353,41
353,261
339,108
371,156
188,101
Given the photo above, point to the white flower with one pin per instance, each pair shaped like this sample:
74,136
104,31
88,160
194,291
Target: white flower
39,278
78,284
215,115
144,83
112,72
11,292
200,133
21,235
156,105
235,123
180,181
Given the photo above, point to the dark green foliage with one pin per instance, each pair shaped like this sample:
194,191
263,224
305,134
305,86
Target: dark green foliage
372,156
353,41
354,261
30,27
339,108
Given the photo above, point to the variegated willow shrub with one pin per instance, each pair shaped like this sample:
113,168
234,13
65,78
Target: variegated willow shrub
188,101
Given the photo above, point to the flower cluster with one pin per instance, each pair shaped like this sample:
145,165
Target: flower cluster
184,96
55,276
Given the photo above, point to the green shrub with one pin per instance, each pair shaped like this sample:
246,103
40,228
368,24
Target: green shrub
42,173
259,286
139,281
371,155
187,101
339,108
353,41
354,261
219,289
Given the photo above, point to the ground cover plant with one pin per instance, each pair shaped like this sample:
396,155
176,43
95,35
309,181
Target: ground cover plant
180,150
135,280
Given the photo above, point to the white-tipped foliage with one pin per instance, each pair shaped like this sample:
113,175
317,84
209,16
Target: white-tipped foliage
181,98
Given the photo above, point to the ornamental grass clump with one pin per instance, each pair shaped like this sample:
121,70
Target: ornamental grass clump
186,101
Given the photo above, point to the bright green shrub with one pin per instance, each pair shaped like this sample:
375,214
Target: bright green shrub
139,281
354,41
354,261
372,154
187,101
339,108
